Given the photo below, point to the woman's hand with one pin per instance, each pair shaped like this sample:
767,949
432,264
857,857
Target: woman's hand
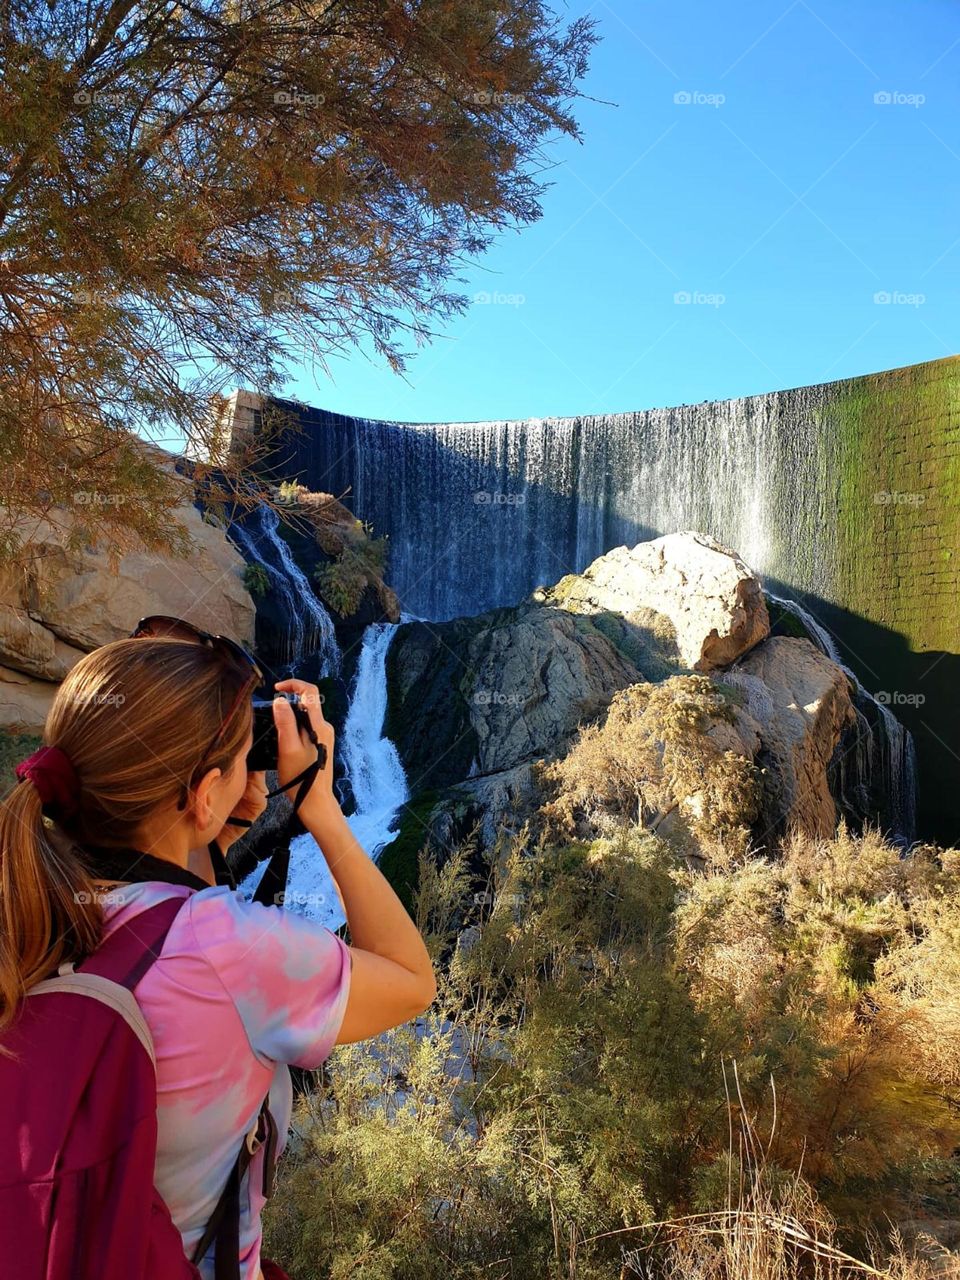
296,751
252,803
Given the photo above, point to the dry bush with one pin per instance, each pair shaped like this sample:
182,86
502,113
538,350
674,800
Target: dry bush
651,759
613,1030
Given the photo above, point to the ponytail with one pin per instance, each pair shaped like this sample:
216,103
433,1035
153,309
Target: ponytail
48,908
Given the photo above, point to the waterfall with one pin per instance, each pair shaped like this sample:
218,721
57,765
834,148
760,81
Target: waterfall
377,780
829,491
883,753
480,513
308,628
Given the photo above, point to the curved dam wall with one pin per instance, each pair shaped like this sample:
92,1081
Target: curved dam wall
844,495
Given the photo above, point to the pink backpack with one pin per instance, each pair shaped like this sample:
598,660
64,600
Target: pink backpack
78,1123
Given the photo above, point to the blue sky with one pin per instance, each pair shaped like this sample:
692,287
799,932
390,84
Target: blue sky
783,198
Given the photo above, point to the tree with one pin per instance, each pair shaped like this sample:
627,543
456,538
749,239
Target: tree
191,193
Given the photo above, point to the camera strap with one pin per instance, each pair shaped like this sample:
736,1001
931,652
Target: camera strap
273,882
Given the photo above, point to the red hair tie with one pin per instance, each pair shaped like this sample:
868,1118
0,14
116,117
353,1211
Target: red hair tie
52,773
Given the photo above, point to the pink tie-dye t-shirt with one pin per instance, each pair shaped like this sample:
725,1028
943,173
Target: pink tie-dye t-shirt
239,991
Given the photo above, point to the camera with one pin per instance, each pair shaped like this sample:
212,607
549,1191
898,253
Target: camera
263,754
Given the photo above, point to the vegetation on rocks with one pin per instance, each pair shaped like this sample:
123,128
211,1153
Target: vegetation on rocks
361,562
256,580
653,757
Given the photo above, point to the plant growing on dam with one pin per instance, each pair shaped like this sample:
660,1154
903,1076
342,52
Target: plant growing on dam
256,580
653,760
192,195
361,563
620,1040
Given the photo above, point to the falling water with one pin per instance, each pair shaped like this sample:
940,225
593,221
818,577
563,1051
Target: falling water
376,778
883,752
480,513
309,628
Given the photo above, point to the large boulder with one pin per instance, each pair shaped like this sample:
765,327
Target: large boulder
714,603
796,705
24,701
57,603
474,696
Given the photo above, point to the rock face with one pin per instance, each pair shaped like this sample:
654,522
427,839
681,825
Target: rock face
714,603
474,701
475,696
797,705
58,604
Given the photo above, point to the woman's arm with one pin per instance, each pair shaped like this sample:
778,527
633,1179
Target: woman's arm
392,978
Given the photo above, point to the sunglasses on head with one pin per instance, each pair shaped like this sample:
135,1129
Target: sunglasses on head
160,627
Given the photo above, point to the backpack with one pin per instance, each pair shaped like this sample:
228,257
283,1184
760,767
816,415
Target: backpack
78,1128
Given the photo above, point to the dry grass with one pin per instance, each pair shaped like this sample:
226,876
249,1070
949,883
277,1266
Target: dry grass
771,1229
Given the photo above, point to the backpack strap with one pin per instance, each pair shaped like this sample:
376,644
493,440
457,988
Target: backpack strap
131,948
223,1225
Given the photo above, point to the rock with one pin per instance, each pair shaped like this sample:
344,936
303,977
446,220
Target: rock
59,603
467,939
498,802
31,647
796,707
712,601
485,694
24,701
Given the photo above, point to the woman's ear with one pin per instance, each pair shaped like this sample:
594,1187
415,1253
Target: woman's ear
198,805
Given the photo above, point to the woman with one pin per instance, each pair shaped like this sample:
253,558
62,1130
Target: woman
152,737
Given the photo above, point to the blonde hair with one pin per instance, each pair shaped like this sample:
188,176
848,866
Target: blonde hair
137,719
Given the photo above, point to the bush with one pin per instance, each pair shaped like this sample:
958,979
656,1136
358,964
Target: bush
256,580
657,756
360,563
600,1037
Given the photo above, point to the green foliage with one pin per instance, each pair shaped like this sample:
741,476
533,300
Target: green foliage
361,563
256,580
13,748
616,1038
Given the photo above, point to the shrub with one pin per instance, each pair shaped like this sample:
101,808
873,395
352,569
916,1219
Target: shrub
256,580
656,756
360,563
599,1034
